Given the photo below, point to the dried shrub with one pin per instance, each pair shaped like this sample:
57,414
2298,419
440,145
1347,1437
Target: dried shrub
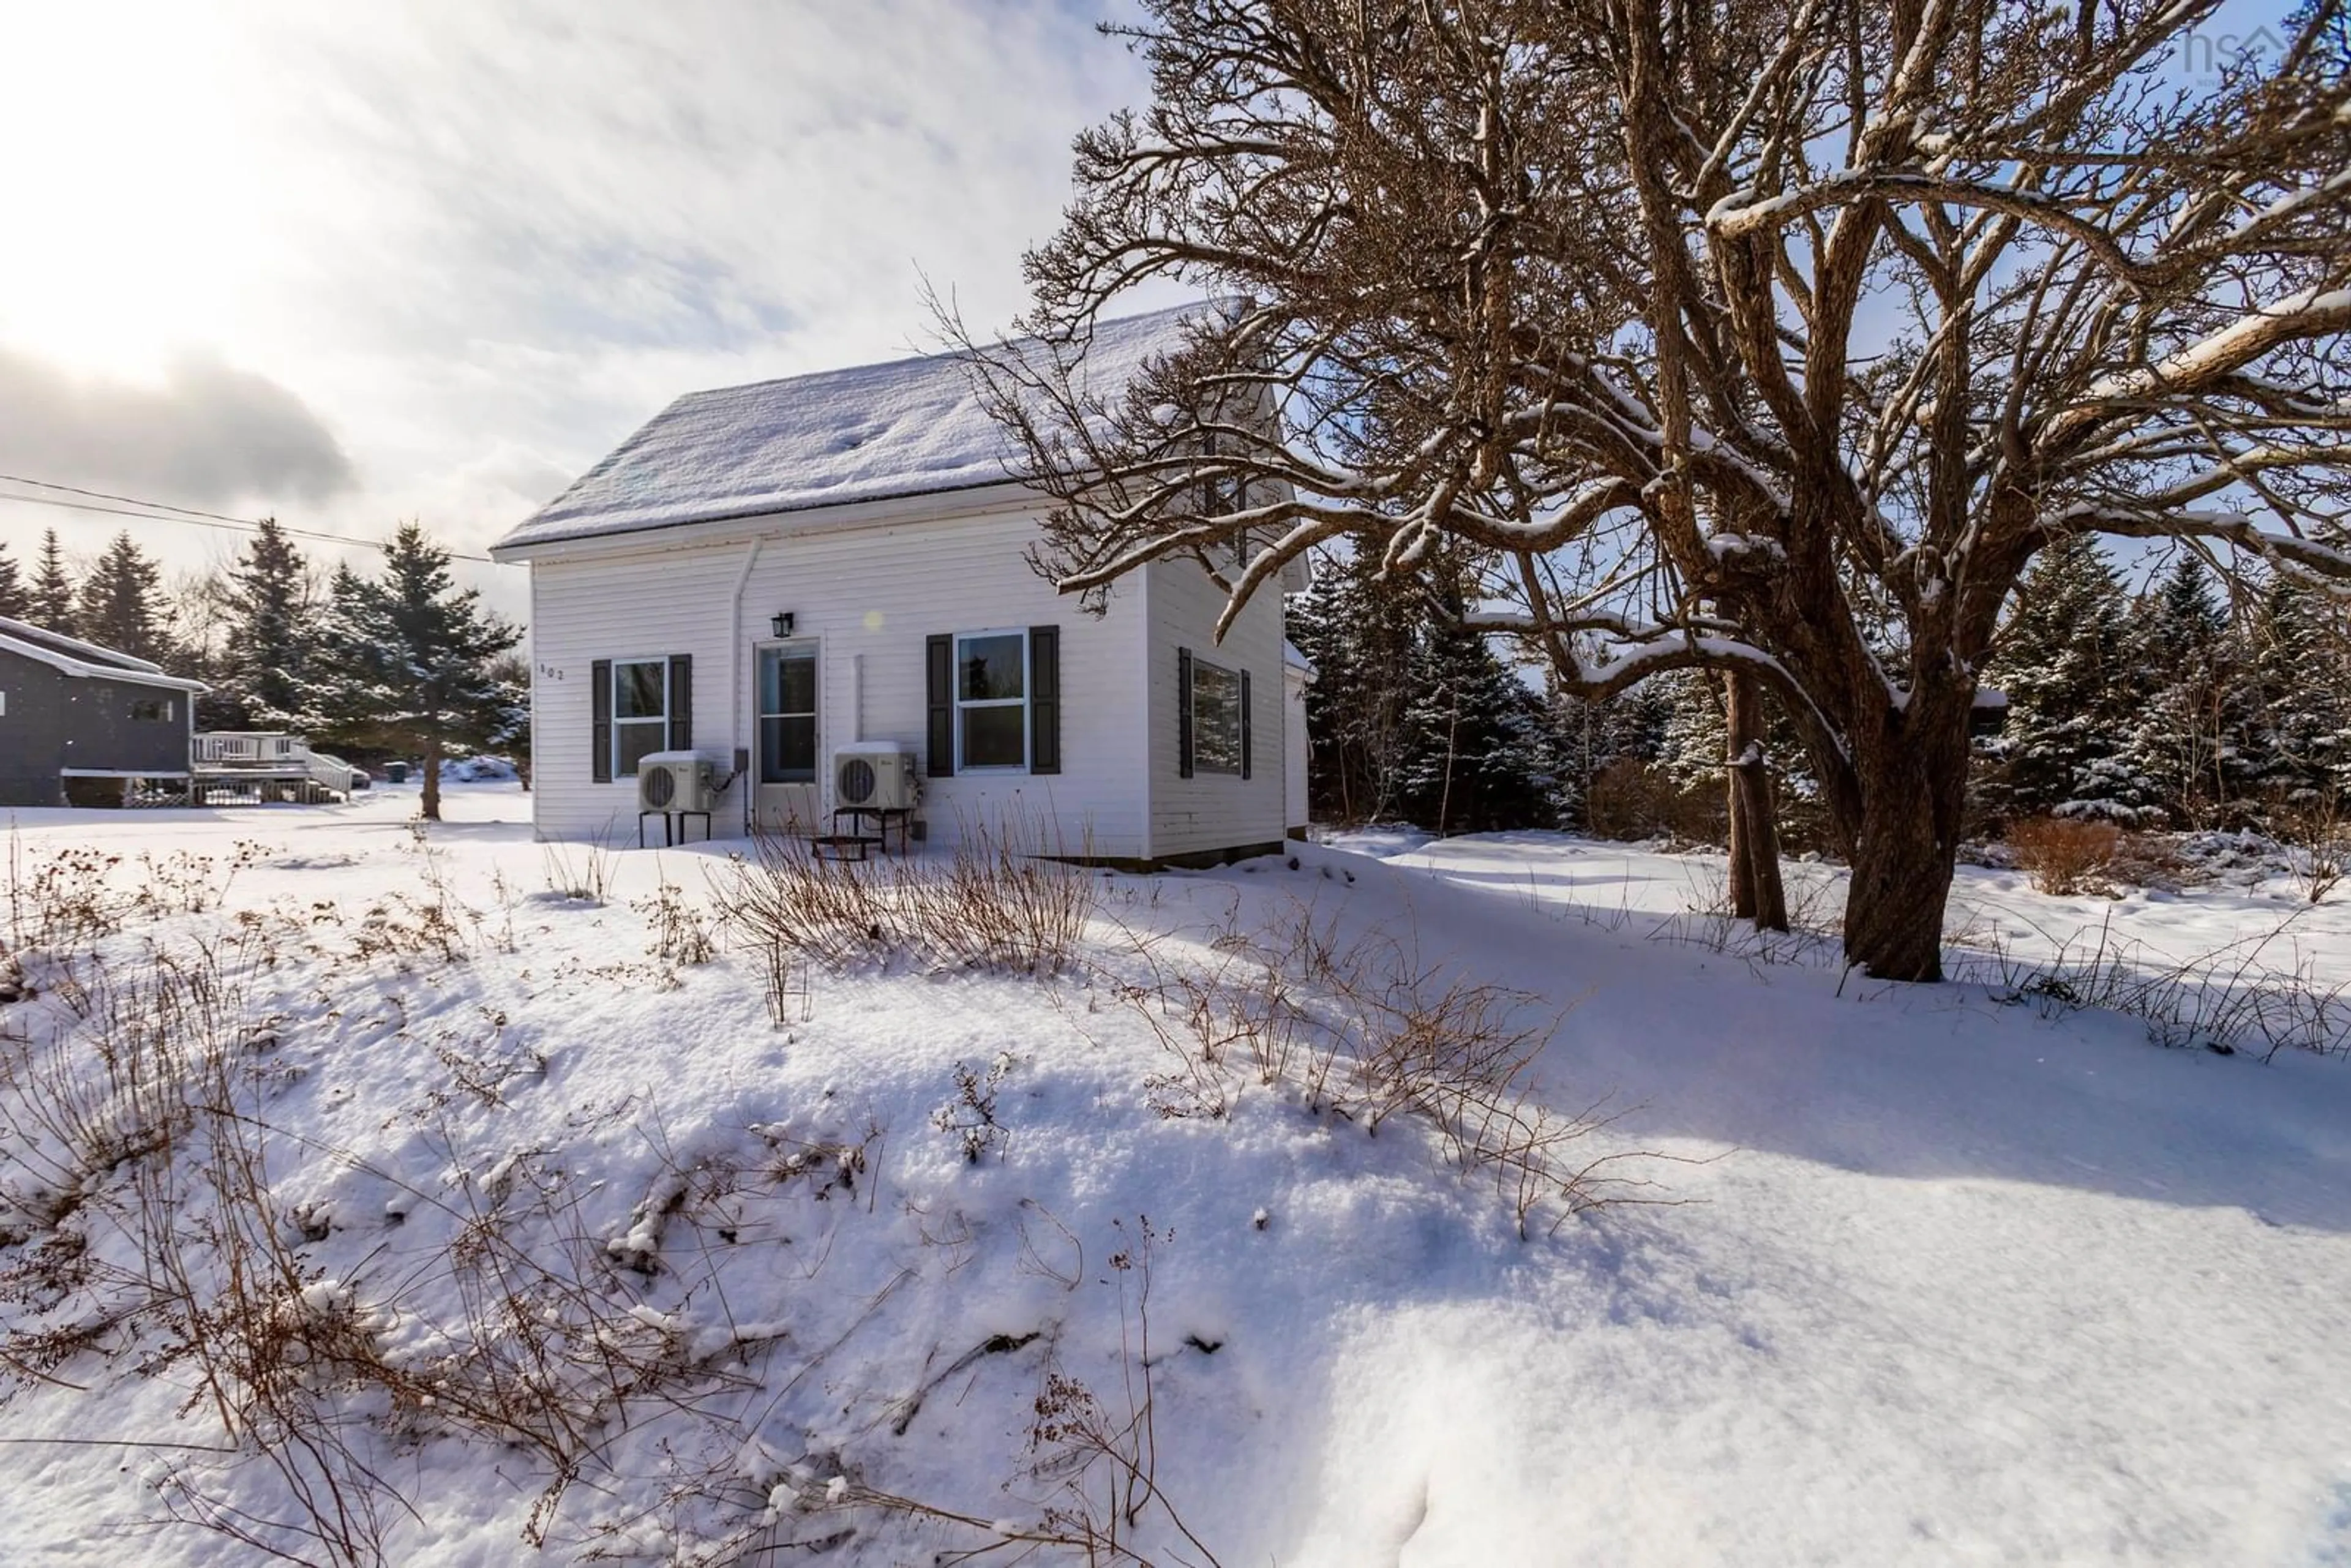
2317,833
142,1223
580,871
62,900
990,903
1634,799
2244,996
2065,855
969,1118
1364,1031
681,929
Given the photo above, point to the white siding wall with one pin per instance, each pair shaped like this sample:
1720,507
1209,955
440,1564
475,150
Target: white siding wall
678,601
1214,811
871,595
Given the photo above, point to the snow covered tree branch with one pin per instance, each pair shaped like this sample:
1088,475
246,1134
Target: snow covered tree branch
1778,340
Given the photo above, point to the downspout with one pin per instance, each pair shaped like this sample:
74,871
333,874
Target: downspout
737,698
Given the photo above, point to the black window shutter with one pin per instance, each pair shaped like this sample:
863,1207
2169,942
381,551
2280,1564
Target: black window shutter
938,659
1183,713
681,702
1245,725
1044,699
599,725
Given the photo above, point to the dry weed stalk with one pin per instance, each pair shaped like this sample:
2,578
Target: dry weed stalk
137,1127
1364,1029
681,929
581,870
2318,831
989,902
1101,1459
2234,997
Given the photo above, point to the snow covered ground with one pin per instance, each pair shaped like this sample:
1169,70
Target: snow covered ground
1949,1274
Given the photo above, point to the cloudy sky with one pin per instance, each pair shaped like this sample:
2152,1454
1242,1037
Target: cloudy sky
353,264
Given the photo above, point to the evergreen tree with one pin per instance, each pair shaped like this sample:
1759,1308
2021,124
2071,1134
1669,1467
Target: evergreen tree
1357,631
52,599
2062,660
15,599
1690,745
406,660
1477,755
120,604
2182,740
268,644
510,731
1589,736
2297,694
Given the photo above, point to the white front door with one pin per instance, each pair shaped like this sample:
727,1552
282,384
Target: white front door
789,790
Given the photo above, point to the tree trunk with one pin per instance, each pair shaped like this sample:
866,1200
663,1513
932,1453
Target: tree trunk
431,808
1913,789
1757,893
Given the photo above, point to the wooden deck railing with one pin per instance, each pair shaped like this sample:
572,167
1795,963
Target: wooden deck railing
236,759
249,748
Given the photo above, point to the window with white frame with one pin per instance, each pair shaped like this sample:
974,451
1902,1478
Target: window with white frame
1216,718
788,713
991,700
153,710
640,712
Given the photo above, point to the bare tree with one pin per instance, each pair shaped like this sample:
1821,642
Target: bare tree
1775,338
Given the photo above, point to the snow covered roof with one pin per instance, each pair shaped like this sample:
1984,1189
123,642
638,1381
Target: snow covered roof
72,656
908,427
1295,660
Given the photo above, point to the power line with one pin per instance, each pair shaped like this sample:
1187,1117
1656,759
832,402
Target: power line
185,514
127,500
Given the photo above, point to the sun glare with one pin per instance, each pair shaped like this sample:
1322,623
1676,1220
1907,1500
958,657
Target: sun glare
123,127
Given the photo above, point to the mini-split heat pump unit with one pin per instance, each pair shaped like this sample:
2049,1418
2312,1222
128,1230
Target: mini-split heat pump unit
877,777
676,784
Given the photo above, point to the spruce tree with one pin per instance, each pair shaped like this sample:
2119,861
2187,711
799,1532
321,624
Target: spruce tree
406,660
51,602
1477,753
120,604
1690,744
268,648
1588,735
2182,739
2297,690
510,729
2063,662
1357,631
15,599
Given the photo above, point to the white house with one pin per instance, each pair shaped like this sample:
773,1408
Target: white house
766,574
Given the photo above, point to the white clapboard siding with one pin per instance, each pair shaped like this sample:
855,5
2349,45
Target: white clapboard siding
642,606
1209,813
869,598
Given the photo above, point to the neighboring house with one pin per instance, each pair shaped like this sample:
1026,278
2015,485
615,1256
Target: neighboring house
765,574
79,719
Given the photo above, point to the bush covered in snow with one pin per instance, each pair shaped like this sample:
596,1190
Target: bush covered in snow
482,770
